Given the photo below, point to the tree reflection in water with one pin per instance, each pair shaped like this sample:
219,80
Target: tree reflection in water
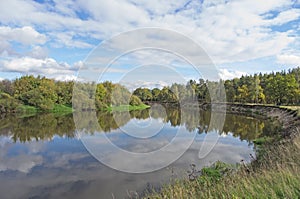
46,126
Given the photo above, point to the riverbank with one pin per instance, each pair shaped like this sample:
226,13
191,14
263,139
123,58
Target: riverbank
57,108
273,174
122,108
67,109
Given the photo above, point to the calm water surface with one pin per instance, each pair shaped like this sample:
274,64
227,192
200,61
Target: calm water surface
41,157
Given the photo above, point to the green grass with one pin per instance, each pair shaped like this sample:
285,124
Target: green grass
59,108
27,109
262,140
275,174
127,107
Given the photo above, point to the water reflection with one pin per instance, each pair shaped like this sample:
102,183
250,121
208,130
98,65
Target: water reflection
41,157
46,126
38,127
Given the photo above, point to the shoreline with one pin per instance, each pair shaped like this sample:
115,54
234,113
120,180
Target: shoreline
277,162
286,115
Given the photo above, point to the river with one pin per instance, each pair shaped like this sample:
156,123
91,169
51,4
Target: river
42,156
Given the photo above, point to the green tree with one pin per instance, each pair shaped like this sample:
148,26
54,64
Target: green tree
144,94
38,92
256,94
135,101
155,94
64,91
120,95
243,94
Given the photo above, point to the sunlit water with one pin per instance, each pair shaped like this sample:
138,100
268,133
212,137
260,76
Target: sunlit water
41,157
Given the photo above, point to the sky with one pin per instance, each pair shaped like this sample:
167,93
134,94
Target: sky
57,39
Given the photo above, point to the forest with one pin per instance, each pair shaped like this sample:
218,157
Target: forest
280,88
27,92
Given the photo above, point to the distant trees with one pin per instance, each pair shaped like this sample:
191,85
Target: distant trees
282,89
275,88
144,94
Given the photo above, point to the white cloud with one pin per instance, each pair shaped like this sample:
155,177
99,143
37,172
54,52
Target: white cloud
144,84
117,12
159,8
25,35
286,16
46,67
228,74
65,39
289,59
65,77
232,31
38,52
4,48
229,31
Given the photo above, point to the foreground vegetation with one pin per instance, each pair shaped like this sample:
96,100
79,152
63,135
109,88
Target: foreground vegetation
273,174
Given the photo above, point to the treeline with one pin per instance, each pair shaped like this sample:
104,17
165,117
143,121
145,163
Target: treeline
45,94
39,92
275,88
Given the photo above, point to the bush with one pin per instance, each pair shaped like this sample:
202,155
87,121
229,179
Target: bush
135,101
7,103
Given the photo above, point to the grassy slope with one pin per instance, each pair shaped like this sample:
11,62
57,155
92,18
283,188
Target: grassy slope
65,109
58,108
127,107
276,174
26,109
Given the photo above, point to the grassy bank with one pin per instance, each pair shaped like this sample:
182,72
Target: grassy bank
31,110
26,109
275,174
58,108
66,109
127,107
